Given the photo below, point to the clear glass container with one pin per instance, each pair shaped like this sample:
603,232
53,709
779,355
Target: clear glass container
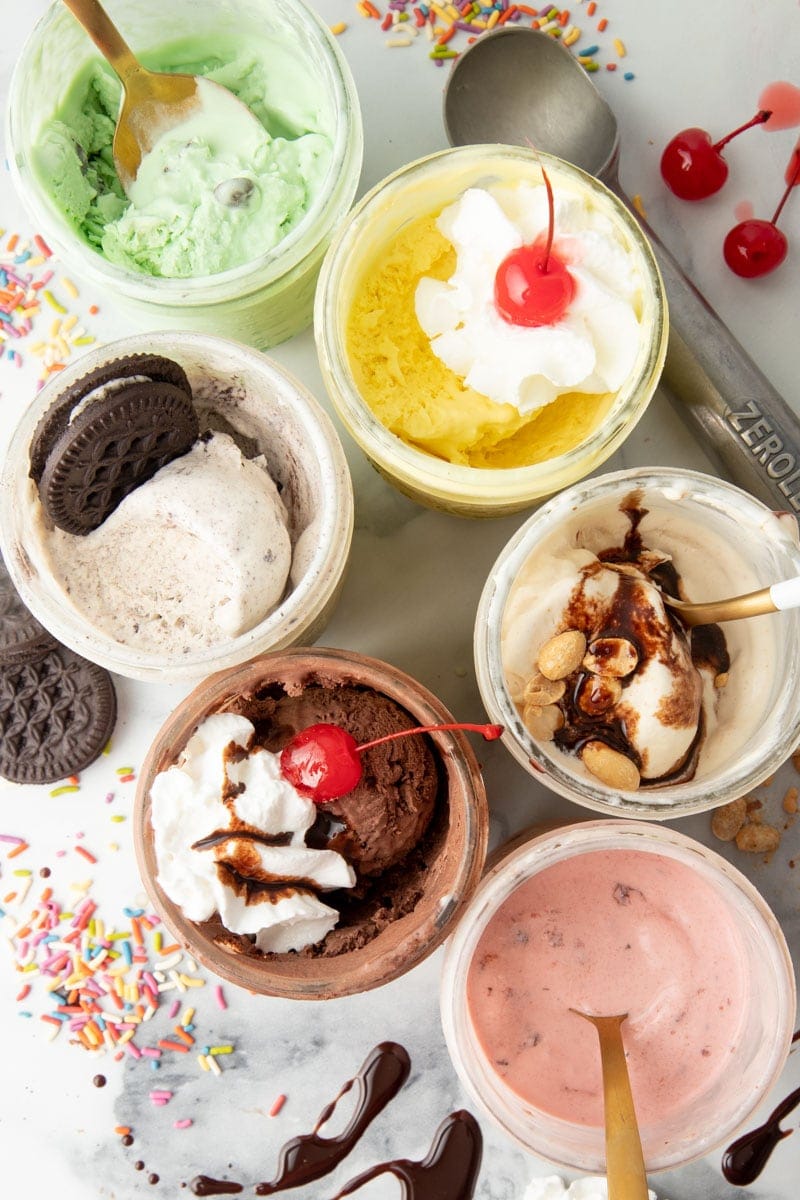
731,1097
304,457
723,543
262,302
454,869
426,187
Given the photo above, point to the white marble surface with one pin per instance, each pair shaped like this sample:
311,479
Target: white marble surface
694,64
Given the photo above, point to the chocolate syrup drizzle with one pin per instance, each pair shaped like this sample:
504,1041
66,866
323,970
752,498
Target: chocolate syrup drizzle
706,643
309,1156
745,1159
449,1171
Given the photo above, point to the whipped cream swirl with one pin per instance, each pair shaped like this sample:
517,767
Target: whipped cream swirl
591,349
229,835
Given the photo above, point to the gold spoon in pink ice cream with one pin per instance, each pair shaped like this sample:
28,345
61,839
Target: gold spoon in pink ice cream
624,1160
153,102
776,598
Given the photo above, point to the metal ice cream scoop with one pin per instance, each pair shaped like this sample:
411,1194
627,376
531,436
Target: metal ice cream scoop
521,87
772,599
153,102
624,1160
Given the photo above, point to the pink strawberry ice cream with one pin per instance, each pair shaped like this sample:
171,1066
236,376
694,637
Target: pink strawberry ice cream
606,932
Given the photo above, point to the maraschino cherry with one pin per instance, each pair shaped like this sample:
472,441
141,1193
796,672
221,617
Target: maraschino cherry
692,165
533,286
754,247
323,761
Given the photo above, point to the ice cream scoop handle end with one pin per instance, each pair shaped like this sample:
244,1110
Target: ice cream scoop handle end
786,594
724,397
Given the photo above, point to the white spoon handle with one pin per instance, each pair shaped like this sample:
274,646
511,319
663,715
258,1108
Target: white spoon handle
786,594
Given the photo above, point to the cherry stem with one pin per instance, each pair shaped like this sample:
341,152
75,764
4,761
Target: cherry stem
490,732
551,222
758,119
789,186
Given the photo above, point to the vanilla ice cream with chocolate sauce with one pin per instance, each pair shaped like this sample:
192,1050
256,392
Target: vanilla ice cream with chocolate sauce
612,674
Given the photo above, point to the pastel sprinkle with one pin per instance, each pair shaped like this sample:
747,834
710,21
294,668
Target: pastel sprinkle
182,1124
277,1106
219,996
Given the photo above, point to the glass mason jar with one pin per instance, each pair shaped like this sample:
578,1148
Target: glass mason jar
424,188
261,302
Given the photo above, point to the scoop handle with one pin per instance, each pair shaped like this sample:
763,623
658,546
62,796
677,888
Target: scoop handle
717,388
105,35
625,1168
786,594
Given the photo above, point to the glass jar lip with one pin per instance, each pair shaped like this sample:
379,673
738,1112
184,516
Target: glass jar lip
296,612
240,281
529,856
418,467
694,796
358,969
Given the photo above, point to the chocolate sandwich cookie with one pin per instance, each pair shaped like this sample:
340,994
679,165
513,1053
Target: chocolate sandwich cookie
54,422
111,447
22,638
56,715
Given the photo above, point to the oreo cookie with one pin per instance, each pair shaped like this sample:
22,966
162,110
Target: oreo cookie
55,421
56,715
22,638
110,448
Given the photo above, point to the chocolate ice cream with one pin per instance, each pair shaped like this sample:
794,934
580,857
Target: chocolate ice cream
398,852
386,821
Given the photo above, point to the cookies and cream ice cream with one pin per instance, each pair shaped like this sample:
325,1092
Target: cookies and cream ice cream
442,368
218,190
195,556
604,675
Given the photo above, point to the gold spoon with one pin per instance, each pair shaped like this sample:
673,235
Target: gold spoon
776,598
153,102
624,1160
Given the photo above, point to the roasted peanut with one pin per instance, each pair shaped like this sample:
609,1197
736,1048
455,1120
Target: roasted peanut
610,767
541,690
758,839
562,654
729,819
598,694
542,722
611,656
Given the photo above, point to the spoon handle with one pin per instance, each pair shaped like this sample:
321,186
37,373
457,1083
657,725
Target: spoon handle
624,1161
105,35
749,427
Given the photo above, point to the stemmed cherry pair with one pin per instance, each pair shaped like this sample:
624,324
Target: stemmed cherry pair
694,167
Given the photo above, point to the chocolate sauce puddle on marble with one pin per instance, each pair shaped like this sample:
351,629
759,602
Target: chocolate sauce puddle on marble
204,1185
745,1159
449,1171
309,1156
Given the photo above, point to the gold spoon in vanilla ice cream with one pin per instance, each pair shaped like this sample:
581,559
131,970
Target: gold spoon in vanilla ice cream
156,102
624,1159
776,598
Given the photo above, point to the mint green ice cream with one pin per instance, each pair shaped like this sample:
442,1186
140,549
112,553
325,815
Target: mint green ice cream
214,193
